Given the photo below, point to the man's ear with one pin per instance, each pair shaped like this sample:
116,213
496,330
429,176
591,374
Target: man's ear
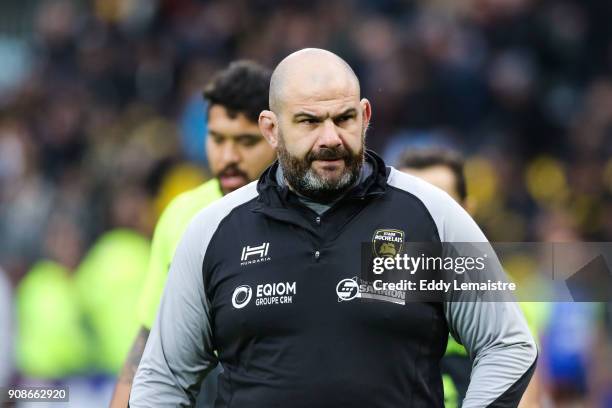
366,112
268,126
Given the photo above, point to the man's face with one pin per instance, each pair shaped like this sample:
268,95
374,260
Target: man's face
321,139
440,176
237,152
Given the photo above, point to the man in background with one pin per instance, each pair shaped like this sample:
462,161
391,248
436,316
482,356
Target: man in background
444,168
237,154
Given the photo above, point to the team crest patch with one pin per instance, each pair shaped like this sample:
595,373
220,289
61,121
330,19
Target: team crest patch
387,242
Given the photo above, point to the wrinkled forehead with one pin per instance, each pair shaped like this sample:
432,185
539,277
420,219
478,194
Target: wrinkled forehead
320,93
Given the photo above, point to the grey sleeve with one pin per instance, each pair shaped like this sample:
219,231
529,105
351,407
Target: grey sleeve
495,334
493,331
179,350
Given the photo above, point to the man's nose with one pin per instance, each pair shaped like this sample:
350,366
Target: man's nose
329,135
229,153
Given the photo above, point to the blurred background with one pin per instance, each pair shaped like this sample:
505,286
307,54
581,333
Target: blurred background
102,123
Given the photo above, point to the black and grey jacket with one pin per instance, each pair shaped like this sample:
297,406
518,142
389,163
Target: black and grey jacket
262,284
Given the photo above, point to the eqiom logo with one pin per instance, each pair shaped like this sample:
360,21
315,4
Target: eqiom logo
242,296
278,293
347,289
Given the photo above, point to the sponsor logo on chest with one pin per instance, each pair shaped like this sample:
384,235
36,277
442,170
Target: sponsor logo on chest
255,254
278,293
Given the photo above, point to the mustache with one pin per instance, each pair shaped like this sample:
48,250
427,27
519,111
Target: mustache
327,153
232,170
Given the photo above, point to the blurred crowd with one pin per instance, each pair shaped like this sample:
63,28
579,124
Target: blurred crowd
102,123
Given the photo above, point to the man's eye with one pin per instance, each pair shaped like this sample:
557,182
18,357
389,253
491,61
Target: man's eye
308,121
342,119
248,142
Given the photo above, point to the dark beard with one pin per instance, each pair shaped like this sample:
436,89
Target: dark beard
302,178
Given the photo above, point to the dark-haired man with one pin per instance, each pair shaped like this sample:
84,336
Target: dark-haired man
266,275
444,168
439,166
237,154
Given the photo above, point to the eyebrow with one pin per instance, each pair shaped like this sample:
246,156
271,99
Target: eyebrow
307,115
238,136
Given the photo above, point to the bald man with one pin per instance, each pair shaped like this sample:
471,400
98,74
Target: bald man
267,280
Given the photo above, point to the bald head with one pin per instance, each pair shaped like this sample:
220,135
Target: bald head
317,123
310,74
